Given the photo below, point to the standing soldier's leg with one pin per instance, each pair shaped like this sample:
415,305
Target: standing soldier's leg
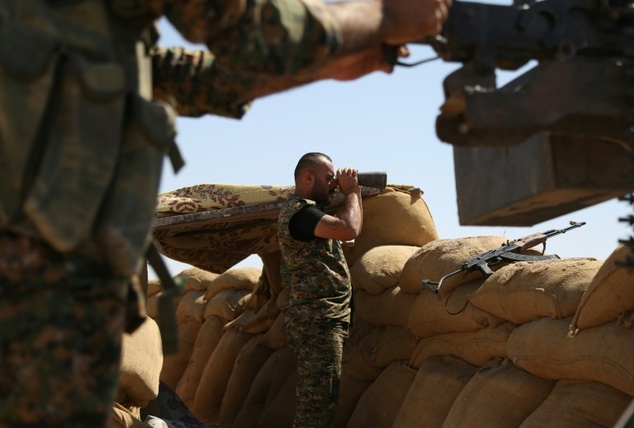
60,338
318,374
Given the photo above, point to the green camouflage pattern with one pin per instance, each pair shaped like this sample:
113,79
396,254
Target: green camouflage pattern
315,270
316,317
81,151
319,350
61,325
193,83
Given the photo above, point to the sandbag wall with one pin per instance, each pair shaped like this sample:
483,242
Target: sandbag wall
535,344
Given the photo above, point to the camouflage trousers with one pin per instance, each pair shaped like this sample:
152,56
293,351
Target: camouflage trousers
319,351
61,326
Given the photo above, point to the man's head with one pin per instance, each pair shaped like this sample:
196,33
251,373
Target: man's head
315,177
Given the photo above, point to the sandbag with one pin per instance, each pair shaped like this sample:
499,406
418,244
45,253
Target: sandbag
271,271
213,383
610,293
385,344
280,411
436,385
392,307
396,216
499,395
153,287
579,404
248,363
174,365
380,268
525,291
274,337
208,337
191,305
443,256
381,402
195,279
227,304
432,314
602,354
243,278
141,363
266,386
477,347
256,321
121,417
356,376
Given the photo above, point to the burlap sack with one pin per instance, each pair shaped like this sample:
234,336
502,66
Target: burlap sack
610,293
436,385
271,270
213,383
274,337
280,411
228,304
191,305
256,321
195,279
244,278
441,257
392,307
381,402
432,314
394,217
499,395
141,363
153,287
250,360
356,376
121,417
525,291
385,344
380,268
602,354
477,347
579,404
174,365
153,304
268,383
208,337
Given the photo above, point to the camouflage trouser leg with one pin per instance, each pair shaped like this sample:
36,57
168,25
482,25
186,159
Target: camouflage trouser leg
319,355
60,340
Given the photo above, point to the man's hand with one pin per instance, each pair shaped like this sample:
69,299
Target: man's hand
412,20
353,66
348,180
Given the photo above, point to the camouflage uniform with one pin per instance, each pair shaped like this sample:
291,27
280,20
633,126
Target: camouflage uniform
81,151
316,318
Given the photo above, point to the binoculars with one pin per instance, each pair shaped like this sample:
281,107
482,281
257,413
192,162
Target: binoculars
376,179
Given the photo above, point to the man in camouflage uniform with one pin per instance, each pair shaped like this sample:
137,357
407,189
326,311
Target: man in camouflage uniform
317,316
83,131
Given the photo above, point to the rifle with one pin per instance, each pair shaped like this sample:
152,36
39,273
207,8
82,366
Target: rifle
509,252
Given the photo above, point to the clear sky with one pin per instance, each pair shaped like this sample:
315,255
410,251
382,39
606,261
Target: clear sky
379,122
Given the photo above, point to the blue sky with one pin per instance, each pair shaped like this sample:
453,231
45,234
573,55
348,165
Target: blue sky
379,122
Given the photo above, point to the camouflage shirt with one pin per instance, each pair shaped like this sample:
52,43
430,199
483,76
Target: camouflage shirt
316,270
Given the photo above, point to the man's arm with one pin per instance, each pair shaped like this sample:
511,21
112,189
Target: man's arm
349,220
300,37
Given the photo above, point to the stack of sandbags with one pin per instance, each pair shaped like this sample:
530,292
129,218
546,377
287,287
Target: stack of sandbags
537,343
141,363
225,299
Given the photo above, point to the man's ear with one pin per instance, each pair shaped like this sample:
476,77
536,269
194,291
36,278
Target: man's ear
309,177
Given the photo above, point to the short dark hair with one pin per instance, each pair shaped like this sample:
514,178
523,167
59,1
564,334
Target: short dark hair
308,160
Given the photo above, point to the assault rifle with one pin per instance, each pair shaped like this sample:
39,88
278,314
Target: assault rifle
509,252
